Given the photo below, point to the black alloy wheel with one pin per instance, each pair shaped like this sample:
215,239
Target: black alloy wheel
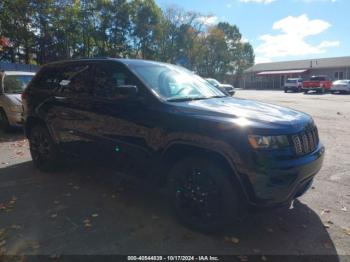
202,195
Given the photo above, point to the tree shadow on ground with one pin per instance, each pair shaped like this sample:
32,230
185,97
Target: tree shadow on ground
93,210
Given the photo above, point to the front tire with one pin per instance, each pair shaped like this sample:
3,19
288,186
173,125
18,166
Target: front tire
45,154
202,194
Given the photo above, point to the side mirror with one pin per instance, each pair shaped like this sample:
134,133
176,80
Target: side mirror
127,91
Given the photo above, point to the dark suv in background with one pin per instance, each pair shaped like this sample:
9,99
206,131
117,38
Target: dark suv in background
215,153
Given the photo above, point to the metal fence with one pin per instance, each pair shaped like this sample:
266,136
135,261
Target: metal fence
18,67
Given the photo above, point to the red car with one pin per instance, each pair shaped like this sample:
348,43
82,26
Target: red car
320,84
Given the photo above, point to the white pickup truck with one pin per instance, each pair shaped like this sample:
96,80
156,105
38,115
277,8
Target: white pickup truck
293,84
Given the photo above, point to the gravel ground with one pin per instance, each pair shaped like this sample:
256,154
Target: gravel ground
90,210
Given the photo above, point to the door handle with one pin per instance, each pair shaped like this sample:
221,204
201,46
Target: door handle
60,98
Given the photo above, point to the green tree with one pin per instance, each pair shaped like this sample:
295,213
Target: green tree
41,31
145,17
16,24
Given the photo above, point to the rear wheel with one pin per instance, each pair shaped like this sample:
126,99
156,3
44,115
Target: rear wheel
45,154
202,194
4,122
305,92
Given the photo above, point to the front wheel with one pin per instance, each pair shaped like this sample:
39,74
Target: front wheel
45,154
202,194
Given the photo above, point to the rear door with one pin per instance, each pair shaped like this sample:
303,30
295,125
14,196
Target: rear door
68,114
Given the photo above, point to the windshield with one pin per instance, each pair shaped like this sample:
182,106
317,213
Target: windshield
213,81
174,83
15,84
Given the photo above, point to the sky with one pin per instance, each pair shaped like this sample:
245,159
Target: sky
281,30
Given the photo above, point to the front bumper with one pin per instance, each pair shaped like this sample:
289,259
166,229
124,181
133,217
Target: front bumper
340,89
276,182
316,88
293,88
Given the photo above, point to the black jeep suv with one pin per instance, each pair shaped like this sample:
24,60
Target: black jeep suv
215,153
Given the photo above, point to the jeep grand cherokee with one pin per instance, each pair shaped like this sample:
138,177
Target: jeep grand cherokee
215,153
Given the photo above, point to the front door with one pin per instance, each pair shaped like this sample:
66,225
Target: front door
119,126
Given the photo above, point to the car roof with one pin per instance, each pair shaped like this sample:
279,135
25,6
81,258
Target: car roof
18,73
126,61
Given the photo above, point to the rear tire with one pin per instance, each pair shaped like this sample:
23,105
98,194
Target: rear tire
4,122
45,154
202,194
305,92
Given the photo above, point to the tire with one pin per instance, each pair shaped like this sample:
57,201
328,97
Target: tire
285,90
305,92
4,122
45,154
202,195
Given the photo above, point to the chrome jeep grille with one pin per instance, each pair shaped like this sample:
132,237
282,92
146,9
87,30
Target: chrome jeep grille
305,142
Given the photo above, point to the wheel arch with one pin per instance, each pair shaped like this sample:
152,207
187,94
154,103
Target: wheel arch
178,150
31,122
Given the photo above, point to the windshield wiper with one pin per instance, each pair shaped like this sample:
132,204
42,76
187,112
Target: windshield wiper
182,99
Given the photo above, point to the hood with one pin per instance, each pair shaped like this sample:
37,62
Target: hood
14,99
250,112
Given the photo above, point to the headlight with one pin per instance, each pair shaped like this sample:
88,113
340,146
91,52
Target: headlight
16,109
267,142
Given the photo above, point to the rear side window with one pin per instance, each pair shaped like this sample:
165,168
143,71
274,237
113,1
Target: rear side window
71,78
76,79
46,79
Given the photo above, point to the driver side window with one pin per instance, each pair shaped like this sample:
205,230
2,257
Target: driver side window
107,79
